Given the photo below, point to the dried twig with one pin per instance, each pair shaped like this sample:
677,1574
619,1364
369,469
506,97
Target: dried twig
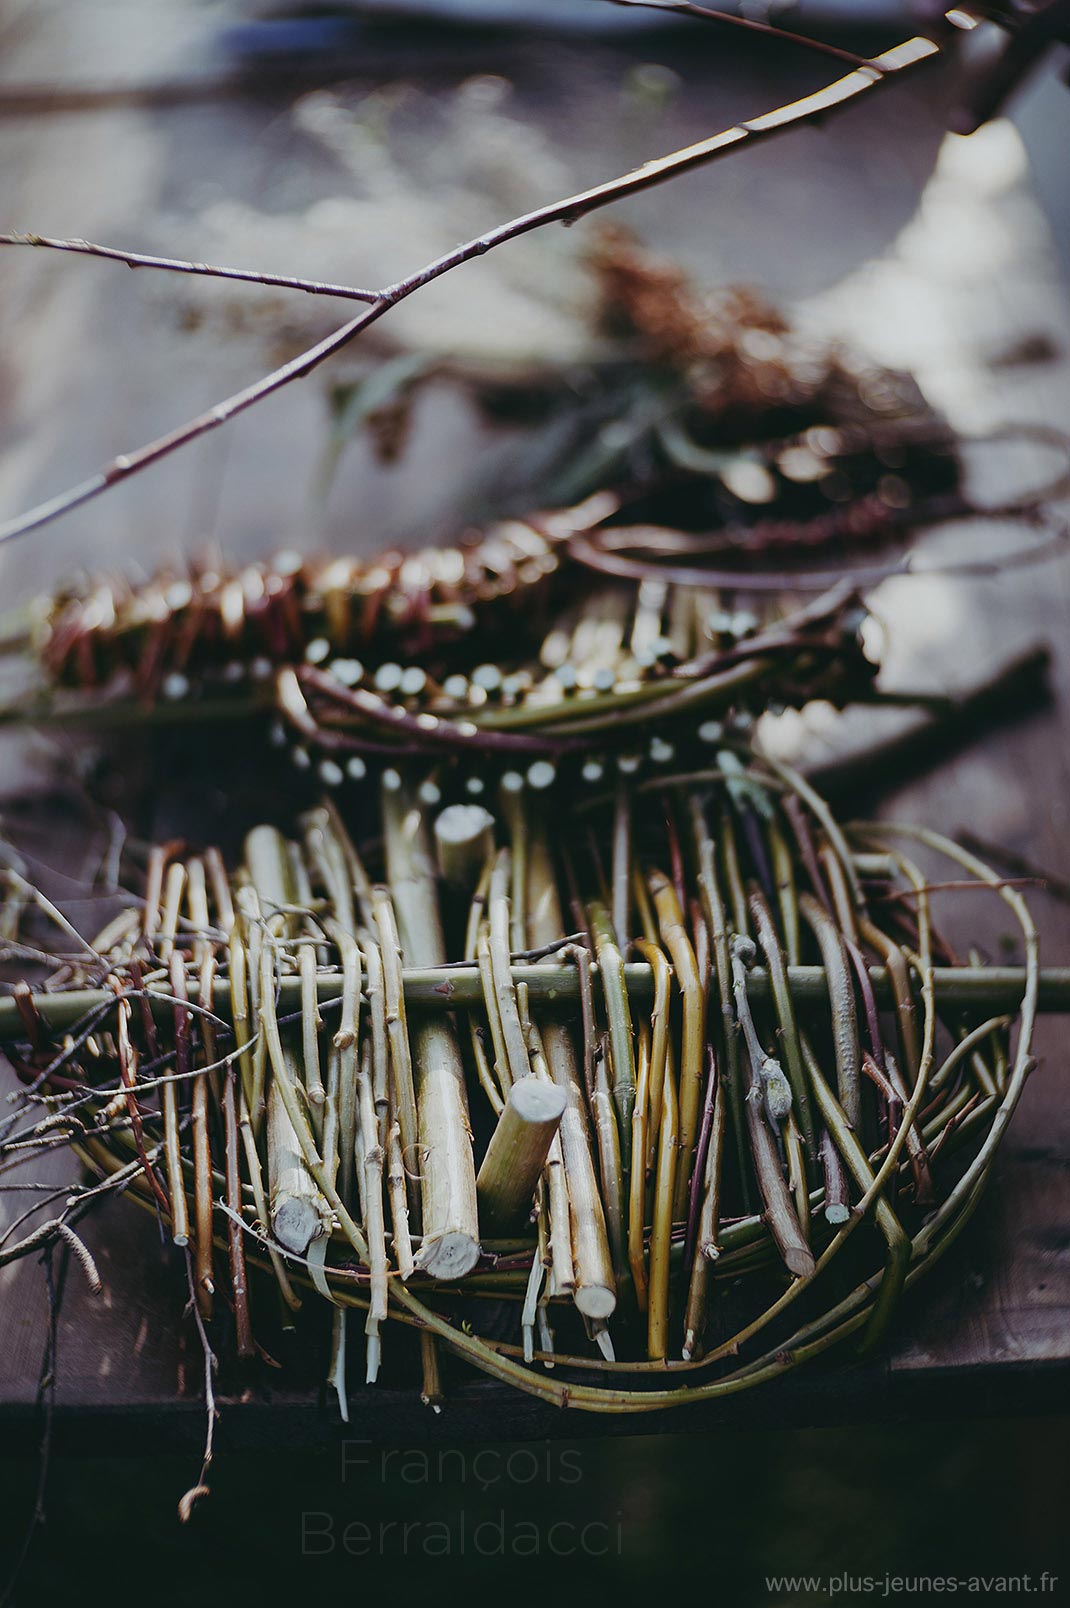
822,103
176,265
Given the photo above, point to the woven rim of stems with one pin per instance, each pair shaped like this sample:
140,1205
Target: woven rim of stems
364,1133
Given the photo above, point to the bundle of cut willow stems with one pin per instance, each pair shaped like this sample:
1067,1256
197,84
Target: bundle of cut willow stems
612,1072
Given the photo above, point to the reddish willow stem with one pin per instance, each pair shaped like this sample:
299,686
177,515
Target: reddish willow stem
822,103
178,265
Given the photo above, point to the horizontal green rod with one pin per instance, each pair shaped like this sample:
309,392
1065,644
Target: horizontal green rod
991,990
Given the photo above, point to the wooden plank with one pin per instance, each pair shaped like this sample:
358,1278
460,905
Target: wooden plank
93,361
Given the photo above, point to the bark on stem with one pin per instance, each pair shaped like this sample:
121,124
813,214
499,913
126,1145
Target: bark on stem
298,1211
661,1233
605,1122
295,1213
516,1050
204,960
235,1238
595,1294
986,990
707,1247
674,937
844,1016
619,1017
397,1031
517,1154
176,1187
464,839
374,1224
450,1243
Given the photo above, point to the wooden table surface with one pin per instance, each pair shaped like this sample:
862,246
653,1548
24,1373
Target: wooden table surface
930,255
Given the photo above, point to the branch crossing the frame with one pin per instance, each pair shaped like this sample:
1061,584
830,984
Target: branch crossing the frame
885,68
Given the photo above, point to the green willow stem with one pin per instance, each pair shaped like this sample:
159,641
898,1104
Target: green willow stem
658,1299
607,1136
618,1014
898,973
498,905
729,1348
845,1040
785,1012
895,1236
449,1214
995,989
727,1042
746,1245
595,1293
637,1181
659,1043
692,1046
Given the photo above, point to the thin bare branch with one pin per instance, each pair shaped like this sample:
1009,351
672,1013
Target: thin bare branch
177,265
811,108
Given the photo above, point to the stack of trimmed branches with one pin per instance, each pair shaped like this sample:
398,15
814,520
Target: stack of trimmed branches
574,1033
